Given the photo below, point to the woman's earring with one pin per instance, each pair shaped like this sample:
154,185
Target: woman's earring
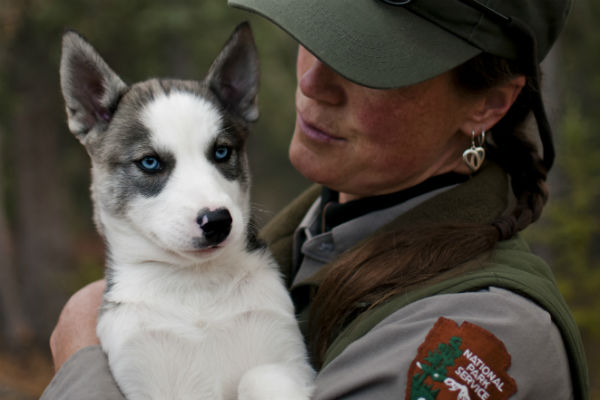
474,155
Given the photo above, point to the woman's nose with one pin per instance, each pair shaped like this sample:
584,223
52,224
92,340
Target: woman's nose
321,83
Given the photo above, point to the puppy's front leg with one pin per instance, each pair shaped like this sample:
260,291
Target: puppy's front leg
275,382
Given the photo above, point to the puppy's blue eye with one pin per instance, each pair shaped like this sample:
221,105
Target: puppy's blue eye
222,153
150,164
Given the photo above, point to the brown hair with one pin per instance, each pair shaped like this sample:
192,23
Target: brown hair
390,262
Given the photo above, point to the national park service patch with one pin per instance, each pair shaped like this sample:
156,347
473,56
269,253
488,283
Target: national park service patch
463,362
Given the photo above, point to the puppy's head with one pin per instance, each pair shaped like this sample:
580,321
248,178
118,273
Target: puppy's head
169,169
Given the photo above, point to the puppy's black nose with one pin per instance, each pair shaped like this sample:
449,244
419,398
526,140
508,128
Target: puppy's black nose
216,225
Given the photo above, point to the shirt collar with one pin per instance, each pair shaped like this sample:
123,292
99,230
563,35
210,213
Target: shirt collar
333,213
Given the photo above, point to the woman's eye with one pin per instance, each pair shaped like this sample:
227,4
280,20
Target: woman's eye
222,153
150,164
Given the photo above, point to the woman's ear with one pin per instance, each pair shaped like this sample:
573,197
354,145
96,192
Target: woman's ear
492,105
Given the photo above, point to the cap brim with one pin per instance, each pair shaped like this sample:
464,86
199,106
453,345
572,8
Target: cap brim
367,41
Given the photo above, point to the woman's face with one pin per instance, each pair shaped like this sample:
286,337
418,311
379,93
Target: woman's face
363,142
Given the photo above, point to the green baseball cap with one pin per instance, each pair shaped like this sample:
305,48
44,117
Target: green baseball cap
394,43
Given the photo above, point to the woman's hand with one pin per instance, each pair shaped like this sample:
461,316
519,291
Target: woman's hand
76,327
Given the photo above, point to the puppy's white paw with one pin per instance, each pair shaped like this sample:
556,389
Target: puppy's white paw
273,382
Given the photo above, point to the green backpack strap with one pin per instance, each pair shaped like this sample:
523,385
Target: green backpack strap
510,266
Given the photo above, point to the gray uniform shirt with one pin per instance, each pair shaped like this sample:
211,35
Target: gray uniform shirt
376,366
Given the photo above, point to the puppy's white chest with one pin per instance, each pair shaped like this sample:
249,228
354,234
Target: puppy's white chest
172,349
159,358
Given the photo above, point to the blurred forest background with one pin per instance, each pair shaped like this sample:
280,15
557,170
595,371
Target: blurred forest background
48,245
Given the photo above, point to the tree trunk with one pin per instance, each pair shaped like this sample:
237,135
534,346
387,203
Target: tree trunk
42,245
15,326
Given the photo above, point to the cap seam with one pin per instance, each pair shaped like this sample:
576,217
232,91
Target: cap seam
473,32
423,13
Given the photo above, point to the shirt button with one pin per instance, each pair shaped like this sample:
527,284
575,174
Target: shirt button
326,246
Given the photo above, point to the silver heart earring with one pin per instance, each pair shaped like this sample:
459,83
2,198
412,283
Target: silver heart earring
474,155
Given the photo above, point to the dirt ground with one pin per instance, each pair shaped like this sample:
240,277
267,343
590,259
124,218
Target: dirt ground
24,375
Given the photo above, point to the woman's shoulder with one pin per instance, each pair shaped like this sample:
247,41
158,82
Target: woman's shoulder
492,342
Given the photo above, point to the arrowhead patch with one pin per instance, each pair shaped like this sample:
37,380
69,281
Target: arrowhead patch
463,362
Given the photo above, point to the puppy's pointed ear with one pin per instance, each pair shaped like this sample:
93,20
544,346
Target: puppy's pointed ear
234,74
89,86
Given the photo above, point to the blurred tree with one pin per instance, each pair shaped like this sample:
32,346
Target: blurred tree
17,330
569,233
43,240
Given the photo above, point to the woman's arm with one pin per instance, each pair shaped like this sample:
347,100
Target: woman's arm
84,376
76,326
81,366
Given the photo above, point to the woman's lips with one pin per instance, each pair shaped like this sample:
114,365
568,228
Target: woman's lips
315,133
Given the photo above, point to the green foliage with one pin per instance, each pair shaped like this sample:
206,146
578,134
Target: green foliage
571,224
569,232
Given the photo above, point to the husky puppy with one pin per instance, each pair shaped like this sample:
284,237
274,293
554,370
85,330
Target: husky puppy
194,307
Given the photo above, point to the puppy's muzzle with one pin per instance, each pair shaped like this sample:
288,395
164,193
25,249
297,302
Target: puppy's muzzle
215,225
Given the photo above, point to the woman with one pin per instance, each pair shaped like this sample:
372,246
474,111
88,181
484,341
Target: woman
405,268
